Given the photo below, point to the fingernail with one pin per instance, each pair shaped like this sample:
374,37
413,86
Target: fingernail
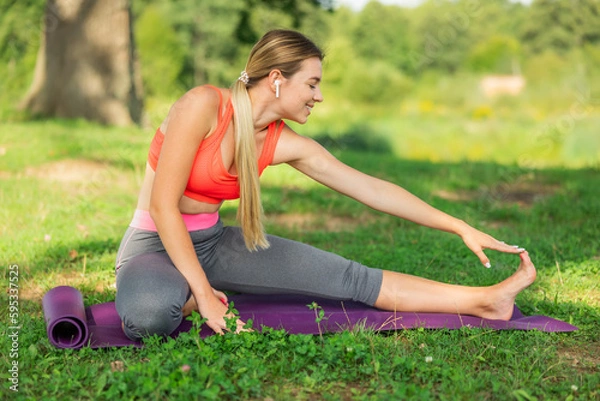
488,265
521,249
224,301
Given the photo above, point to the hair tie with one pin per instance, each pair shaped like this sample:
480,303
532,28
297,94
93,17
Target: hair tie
244,77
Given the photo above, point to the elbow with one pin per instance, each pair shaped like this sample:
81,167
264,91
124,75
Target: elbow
154,205
163,214
154,210
158,208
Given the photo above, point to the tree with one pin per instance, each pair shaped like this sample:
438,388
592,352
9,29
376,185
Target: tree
444,33
161,53
382,33
499,54
202,41
246,31
561,25
196,38
86,64
19,43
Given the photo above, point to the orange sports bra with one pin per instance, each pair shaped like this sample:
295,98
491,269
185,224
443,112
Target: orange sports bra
209,180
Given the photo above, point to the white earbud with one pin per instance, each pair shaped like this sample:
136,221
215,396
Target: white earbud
277,84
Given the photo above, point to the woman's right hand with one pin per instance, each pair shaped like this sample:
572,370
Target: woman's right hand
214,310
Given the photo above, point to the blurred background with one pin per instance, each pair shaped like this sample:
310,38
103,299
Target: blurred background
439,80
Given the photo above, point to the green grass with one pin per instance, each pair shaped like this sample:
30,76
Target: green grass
68,190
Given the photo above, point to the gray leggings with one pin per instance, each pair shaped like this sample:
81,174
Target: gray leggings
151,291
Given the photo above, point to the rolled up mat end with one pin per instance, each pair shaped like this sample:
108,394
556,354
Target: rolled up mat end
65,317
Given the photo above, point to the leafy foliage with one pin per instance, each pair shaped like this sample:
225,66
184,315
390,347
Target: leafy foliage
154,36
562,25
382,33
376,56
21,28
499,54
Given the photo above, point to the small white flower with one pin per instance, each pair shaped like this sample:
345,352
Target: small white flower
47,237
574,387
428,359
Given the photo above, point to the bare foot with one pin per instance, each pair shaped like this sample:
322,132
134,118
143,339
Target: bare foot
189,306
501,305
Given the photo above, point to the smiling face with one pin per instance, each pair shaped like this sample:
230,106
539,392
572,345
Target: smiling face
300,92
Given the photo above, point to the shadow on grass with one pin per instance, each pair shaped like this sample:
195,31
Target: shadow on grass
359,138
91,255
550,212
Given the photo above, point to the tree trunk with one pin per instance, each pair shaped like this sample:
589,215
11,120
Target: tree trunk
86,65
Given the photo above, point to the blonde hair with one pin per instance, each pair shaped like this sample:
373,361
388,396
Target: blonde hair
280,49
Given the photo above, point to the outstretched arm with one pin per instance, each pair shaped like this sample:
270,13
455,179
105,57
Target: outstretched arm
312,159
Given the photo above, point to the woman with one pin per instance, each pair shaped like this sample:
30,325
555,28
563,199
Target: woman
177,256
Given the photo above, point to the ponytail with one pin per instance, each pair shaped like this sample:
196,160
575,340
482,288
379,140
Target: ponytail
280,49
250,210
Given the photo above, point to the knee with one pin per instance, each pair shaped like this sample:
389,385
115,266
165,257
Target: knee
147,317
364,282
150,295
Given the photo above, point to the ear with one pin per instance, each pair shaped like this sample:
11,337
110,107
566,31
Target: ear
275,79
273,76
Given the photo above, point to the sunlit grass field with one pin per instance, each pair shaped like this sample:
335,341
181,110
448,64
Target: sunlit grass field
68,191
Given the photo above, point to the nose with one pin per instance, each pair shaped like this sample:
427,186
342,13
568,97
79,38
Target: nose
318,97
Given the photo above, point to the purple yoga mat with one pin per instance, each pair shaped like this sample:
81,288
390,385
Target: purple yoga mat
70,325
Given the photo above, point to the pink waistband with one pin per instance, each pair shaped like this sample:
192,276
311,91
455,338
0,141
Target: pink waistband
143,221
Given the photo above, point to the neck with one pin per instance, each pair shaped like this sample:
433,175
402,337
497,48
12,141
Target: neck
262,107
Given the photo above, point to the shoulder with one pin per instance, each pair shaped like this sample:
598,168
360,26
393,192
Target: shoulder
198,107
311,158
293,147
201,97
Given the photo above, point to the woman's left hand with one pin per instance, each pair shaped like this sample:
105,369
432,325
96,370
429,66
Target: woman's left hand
222,297
477,241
